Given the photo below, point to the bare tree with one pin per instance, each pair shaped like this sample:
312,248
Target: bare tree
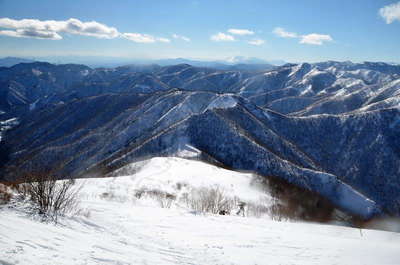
210,200
50,196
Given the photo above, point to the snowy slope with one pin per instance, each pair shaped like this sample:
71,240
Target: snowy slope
127,231
165,173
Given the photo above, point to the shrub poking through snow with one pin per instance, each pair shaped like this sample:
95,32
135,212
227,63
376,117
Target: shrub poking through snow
164,199
49,196
258,209
210,200
5,194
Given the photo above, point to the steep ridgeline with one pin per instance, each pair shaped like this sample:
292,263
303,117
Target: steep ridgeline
27,86
330,88
353,160
293,89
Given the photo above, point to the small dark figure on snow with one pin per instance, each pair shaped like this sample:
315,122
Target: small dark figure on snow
241,206
223,212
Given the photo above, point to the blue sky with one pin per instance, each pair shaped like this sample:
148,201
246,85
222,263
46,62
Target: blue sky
294,31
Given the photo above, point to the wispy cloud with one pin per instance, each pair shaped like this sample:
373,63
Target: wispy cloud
144,38
315,39
140,38
165,40
240,31
281,32
256,42
222,37
390,12
312,39
180,37
52,30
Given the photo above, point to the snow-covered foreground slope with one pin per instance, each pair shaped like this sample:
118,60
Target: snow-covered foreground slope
118,233
124,230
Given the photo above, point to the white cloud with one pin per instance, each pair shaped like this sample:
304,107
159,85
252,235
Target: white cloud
315,39
50,29
92,28
281,32
176,36
222,37
240,31
139,38
390,12
256,42
32,24
143,38
26,33
165,40
312,39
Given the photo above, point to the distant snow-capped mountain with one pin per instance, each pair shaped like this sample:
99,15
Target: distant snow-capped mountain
252,60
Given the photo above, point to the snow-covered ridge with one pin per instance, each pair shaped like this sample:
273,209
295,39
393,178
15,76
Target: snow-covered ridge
165,173
223,102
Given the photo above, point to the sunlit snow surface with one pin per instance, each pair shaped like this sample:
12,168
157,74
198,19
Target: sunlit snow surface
126,231
164,174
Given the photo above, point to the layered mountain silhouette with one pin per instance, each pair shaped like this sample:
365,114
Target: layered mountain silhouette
330,127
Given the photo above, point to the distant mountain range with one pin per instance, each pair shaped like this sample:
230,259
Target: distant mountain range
254,63
10,61
236,60
329,127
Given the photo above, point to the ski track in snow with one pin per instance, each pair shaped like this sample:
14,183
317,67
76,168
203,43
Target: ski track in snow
128,232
